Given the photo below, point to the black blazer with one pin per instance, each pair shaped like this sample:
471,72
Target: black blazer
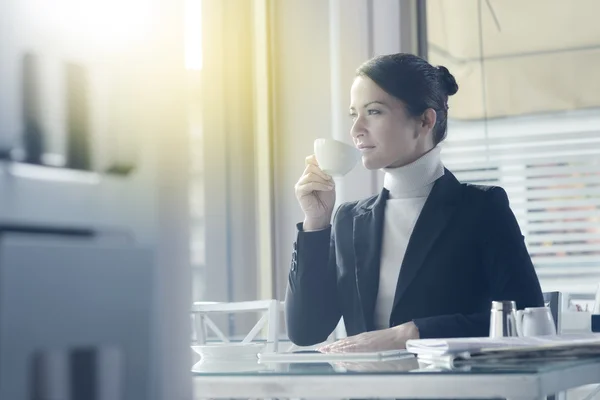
466,250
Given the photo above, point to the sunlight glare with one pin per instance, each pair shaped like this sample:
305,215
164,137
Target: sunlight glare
193,34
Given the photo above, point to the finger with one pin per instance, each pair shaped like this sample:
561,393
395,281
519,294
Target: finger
310,187
311,160
340,342
318,171
326,348
312,177
356,343
355,348
335,345
341,346
329,350
346,349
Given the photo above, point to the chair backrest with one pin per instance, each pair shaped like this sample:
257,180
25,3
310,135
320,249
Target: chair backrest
202,323
271,310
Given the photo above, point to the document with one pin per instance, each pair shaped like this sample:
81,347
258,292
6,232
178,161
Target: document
555,346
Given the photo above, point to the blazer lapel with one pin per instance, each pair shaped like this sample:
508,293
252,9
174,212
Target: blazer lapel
367,239
437,211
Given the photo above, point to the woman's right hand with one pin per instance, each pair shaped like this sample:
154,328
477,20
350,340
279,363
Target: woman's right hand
315,192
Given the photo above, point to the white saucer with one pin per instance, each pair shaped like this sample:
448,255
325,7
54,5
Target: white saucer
229,351
215,366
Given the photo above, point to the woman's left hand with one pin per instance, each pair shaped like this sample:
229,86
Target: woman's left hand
386,339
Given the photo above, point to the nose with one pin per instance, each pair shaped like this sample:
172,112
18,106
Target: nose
358,128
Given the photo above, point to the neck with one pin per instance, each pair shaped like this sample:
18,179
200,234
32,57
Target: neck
416,178
422,149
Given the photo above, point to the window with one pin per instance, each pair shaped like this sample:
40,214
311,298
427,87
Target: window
527,118
229,111
193,65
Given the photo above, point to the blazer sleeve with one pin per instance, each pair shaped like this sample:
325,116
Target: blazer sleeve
312,310
508,269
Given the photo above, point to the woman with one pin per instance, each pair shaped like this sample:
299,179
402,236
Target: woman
422,259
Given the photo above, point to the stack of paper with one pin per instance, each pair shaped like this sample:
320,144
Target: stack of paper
557,347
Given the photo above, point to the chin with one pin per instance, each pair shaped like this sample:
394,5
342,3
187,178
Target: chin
372,164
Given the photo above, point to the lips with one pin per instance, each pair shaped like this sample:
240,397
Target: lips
363,147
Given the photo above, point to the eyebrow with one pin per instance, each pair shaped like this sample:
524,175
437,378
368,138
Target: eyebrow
372,102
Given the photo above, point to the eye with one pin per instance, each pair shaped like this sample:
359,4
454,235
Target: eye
374,112
352,115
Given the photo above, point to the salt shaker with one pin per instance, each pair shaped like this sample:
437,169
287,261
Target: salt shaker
503,321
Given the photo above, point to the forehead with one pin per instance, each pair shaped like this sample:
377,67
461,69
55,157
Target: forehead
363,87
365,90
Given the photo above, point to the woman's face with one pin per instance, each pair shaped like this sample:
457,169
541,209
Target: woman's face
383,130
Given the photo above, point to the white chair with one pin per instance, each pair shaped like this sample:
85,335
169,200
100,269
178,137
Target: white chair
203,325
271,312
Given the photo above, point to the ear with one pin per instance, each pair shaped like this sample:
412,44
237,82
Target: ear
428,119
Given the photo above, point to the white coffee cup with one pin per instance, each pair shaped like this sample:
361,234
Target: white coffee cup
535,321
335,158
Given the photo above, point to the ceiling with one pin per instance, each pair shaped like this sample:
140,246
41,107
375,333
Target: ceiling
521,56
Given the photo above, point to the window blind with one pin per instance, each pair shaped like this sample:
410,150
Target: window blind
550,167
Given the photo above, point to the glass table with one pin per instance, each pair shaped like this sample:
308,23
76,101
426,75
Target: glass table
406,378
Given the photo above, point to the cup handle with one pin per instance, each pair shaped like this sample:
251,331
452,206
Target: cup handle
520,314
551,323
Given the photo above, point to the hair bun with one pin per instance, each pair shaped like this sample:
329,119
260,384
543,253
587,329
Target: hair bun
447,80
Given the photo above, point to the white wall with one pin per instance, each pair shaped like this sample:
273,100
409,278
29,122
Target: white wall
302,109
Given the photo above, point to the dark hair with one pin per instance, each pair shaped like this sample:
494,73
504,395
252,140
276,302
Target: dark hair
416,82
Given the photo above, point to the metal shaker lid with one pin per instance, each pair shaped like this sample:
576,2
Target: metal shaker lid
503,305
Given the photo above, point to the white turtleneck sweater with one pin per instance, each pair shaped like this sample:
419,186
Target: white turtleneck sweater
408,188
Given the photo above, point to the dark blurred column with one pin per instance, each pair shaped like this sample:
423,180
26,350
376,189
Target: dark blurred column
78,124
33,137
